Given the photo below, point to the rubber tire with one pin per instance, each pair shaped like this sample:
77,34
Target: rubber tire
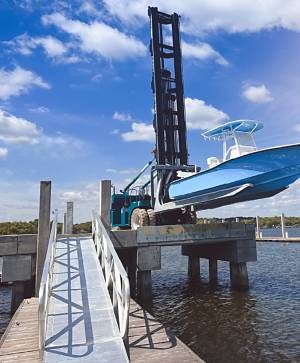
139,218
152,217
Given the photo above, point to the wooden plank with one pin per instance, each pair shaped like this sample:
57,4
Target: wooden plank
151,342
20,342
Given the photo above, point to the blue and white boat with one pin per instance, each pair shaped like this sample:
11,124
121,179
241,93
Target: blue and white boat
244,173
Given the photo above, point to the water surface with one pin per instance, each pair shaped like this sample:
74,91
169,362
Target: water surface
222,325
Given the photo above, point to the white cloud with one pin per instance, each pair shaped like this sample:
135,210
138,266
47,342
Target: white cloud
199,115
211,15
39,109
202,51
89,8
18,81
98,38
25,44
130,171
257,94
97,77
140,132
3,152
17,130
120,116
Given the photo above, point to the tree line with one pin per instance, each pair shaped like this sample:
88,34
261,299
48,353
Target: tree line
31,227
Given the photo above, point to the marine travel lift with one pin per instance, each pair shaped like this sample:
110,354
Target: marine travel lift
134,207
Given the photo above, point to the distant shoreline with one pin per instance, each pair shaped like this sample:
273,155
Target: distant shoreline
31,227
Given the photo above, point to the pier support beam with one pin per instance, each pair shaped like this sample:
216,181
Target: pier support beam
17,295
144,284
43,230
128,257
237,252
194,267
239,275
213,270
148,259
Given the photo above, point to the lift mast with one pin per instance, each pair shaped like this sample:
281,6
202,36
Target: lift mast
167,86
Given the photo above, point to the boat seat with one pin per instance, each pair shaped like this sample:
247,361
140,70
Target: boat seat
213,161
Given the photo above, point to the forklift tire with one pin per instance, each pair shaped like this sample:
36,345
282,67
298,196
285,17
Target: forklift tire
139,218
152,217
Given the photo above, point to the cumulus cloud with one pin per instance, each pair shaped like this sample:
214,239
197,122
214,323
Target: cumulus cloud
25,44
140,132
207,15
202,51
3,152
89,8
98,38
199,115
120,116
18,81
14,130
257,94
17,130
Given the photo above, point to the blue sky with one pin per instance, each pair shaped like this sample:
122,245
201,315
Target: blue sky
76,102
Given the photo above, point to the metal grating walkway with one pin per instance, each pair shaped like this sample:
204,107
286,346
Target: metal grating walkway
81,323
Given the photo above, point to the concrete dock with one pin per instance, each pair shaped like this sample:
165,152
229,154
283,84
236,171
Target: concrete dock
84,286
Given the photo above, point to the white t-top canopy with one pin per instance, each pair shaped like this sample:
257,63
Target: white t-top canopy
227,130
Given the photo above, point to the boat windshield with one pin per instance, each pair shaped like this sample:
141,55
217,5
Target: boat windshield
239,134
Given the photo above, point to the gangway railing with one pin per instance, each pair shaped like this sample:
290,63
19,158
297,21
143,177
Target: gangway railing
115,275
46,279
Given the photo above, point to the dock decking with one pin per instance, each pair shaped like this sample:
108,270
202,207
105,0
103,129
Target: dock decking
20,341
279,239
80,321
151,342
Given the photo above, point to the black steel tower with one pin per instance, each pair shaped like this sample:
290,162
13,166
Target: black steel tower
167,85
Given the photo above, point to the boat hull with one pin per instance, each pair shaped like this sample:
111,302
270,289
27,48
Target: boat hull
265,172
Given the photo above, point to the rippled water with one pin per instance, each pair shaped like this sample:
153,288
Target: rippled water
5,297
222,325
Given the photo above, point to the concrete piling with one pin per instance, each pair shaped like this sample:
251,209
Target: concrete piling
68,229
213,270
43,230
148,259
105,200
284,233
194,267
239,275
17,295
144,284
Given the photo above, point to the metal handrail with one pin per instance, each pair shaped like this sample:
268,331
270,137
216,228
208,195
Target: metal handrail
44,290
115,275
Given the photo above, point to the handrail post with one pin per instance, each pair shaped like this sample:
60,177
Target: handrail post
43,230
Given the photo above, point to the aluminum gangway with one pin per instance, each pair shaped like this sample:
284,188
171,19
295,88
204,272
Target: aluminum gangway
83,299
